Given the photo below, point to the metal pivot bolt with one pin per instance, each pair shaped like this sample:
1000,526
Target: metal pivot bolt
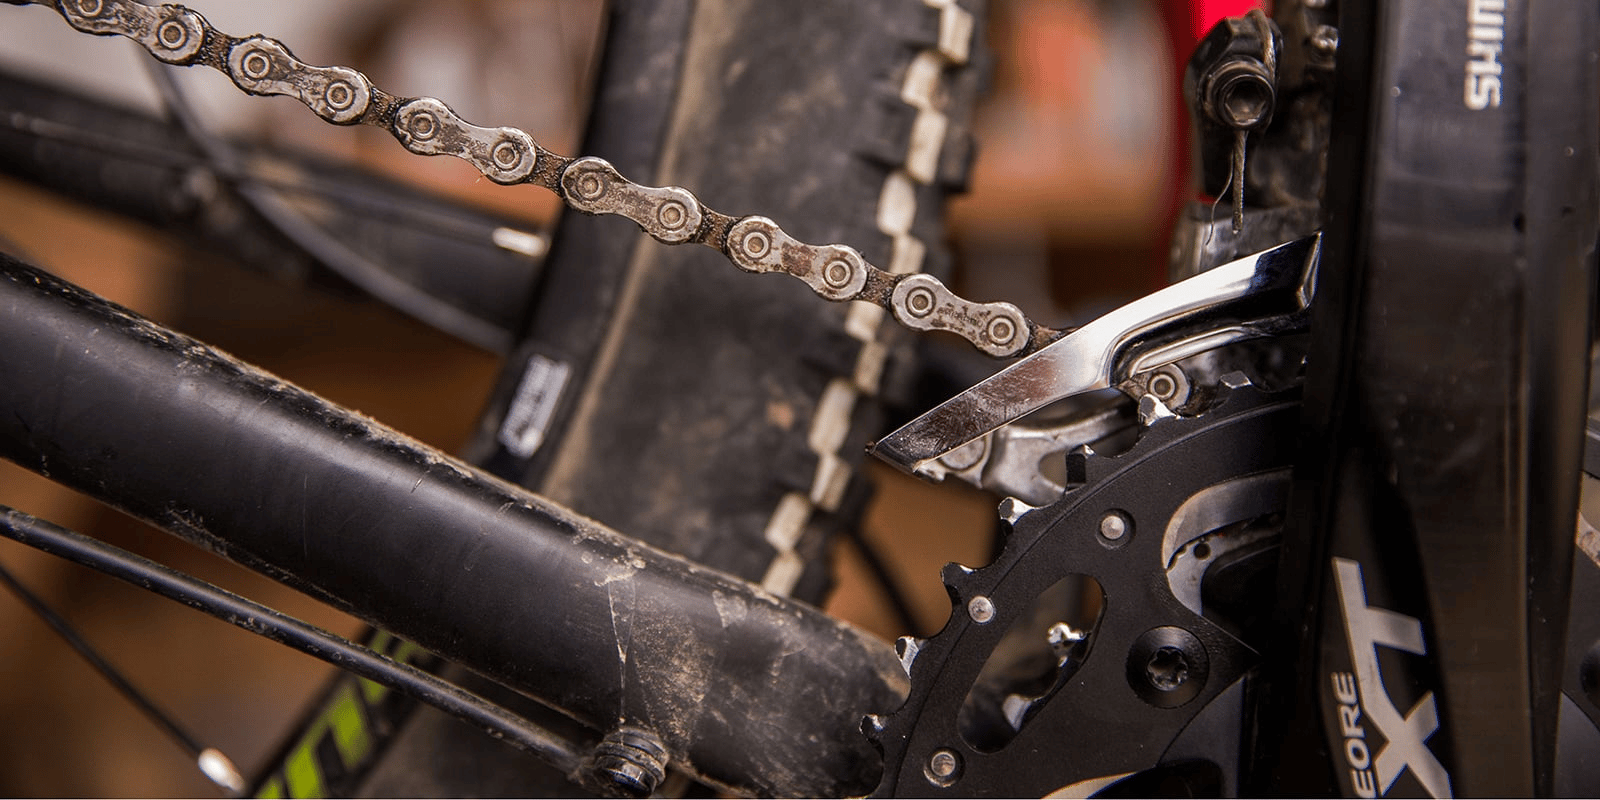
1163,386
630,761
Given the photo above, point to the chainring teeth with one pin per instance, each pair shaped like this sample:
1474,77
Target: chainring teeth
943,668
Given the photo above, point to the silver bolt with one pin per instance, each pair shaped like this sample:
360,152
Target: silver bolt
1163,386
90,8
981,609
944,767
1113,525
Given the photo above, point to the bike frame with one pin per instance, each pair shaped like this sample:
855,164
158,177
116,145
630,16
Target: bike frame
189,439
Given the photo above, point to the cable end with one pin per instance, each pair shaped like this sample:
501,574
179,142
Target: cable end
221,770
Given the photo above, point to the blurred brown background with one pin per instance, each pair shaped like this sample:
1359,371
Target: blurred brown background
1064,218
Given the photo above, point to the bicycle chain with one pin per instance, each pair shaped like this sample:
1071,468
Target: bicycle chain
672,215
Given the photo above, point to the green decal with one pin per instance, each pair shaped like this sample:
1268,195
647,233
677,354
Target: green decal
380,640
272,789
346,719
349,726
302,772
373,691
405,651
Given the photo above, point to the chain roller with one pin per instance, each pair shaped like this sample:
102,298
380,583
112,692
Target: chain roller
921,302
173,34
263,66
757,244
671,215
426,126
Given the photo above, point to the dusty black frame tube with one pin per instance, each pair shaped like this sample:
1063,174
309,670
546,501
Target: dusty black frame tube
754,692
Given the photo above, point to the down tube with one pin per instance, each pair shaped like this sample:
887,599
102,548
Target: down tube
754,692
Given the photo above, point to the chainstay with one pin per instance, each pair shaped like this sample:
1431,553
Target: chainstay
260,65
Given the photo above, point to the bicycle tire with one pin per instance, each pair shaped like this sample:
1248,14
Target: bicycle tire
744,465
766,93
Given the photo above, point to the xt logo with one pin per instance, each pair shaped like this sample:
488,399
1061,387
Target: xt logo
1405,738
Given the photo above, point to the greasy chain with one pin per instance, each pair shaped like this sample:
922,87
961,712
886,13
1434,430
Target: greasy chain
425,126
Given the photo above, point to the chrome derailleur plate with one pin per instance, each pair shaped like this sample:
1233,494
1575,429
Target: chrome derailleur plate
1118,694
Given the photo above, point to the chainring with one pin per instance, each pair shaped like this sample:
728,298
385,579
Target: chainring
1150,668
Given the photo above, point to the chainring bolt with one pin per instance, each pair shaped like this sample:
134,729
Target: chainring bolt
1167,669
1167,666
91,8
981,609
1113,526
943,769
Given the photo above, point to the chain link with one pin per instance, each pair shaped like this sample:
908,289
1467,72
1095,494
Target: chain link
425,126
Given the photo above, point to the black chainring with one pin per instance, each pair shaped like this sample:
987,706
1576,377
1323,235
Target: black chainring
1149,667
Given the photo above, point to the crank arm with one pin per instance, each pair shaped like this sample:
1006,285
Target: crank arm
1260,295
